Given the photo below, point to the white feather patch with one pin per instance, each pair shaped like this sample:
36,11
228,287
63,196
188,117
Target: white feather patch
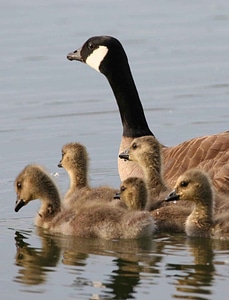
96,57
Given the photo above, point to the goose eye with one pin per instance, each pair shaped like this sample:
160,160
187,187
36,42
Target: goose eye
18,185
134,146
90,46
63,154
184,183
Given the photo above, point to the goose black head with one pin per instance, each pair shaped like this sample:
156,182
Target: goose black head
101,53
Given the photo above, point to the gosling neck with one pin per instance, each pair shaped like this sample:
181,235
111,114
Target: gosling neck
51,203
78,179
200,222
153,176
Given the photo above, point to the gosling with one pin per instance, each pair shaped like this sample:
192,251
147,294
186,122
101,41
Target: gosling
146,151
75,161
195,186
90,221
134,194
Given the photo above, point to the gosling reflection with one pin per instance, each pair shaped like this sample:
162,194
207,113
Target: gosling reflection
199,275
129,259
77,249
34,263
124,279
220,245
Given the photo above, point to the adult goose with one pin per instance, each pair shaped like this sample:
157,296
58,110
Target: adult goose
210,153
195,186
96,220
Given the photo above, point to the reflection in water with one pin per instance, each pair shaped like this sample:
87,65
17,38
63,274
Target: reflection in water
131,264
221,245
129,259
124,279
196,278
34,262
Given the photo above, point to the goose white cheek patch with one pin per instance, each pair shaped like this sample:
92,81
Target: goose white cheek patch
96,57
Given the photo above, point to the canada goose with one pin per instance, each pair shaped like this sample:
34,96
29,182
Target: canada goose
133,192
195,185
75,161
210,153
91,220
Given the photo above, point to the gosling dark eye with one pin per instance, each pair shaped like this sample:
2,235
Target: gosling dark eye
63,154
122,188
134,146
184,183
90,46
19,185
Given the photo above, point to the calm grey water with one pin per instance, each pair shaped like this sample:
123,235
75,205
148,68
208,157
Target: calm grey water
179,55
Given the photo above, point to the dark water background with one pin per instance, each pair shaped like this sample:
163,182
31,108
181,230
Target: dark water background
179,55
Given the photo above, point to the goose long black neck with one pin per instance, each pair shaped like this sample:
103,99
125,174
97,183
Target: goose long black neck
130,107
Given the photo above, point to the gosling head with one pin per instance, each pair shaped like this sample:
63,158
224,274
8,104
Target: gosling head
28,185
194,185
74,155
133,193
141,147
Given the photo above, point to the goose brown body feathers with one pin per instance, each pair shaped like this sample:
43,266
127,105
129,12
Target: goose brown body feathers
209,153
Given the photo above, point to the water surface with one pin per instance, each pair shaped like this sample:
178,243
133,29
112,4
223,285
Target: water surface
179,55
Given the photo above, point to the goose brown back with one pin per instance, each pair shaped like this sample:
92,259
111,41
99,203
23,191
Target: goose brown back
209,153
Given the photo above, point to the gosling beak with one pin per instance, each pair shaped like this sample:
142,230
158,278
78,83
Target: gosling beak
19,204
124,155
117,196
172,196
76,55
60,164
